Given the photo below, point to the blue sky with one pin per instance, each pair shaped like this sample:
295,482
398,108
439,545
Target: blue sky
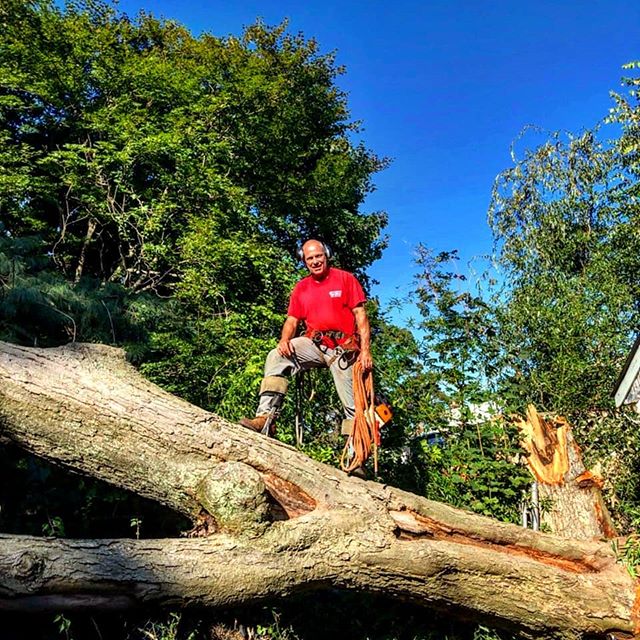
443,89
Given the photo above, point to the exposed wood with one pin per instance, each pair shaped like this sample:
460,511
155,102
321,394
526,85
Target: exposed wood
284,523
576,507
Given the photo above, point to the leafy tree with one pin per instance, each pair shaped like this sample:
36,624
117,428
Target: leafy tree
119,136
139,157
460,440
561,218
565,220
625,113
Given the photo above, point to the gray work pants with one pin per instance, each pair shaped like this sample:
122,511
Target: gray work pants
306,355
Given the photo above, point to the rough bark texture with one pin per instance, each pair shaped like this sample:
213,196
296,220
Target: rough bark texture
284,523
576,507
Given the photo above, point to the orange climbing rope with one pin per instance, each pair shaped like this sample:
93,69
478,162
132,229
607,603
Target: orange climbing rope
365,433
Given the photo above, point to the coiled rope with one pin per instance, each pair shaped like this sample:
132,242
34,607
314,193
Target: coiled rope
365,433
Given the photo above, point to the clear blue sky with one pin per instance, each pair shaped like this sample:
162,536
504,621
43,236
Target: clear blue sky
443,88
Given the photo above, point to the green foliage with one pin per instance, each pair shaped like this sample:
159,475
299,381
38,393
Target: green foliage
274,631
628,550
120,137
476,467
565,232
169,630
136,524
459,330
64,625
565,218
611,440
39,307
628,553
462,449
350,616
625,113
54,527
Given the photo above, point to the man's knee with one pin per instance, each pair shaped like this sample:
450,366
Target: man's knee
276,364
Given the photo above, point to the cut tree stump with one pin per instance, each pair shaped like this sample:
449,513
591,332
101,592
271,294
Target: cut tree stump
576,508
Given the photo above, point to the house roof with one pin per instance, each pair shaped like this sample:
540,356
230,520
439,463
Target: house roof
626,392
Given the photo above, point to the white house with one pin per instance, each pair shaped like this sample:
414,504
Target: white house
627,390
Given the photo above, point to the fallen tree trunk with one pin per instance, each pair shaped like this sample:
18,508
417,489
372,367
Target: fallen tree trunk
283,523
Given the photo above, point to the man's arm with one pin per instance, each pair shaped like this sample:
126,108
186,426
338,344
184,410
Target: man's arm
364,330
289,329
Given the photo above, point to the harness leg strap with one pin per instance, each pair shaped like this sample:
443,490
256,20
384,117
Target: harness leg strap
274,384
274,389
347,426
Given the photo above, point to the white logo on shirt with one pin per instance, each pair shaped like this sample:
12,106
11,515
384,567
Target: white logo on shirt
336,294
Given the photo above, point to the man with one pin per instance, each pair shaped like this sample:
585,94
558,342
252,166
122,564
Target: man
330,301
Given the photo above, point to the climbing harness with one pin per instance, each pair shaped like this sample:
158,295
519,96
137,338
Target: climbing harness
331,340
328,337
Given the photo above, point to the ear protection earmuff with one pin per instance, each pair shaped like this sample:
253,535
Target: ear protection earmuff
325,246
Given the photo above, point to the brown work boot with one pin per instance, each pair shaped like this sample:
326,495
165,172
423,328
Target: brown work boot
359,472
257,424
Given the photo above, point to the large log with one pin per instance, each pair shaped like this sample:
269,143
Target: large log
282,523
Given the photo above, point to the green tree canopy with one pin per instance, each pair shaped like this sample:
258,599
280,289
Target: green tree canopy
170,178
565,229
120,136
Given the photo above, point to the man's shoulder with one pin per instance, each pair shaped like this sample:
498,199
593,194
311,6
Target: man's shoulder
341,273
303,282
351,284
301,285
348,278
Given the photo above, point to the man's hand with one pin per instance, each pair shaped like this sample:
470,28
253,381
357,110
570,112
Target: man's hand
365,360
284,348
288,331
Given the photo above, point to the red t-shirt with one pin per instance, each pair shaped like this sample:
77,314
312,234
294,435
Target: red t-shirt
326,305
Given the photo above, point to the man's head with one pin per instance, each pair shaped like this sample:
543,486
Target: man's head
314,255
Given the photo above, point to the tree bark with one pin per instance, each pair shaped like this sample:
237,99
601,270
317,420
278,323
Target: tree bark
282,523
576,508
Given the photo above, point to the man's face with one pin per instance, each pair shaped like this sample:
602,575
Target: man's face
315,259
